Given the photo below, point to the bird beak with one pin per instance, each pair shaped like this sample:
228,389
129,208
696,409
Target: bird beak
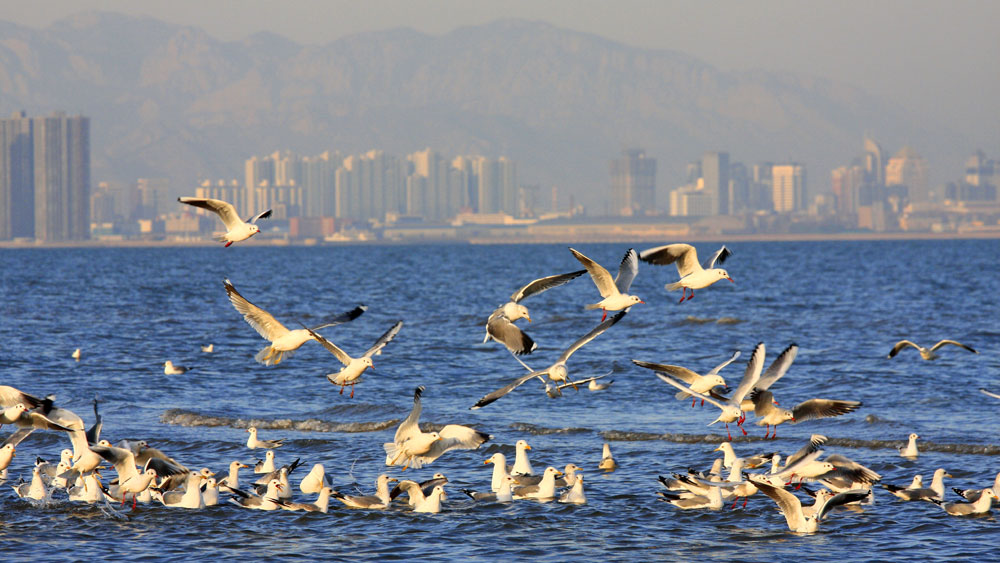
717,449
641,301
527,447
485,462
529,319
393,480
731,279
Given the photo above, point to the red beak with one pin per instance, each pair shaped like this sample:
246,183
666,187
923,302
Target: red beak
731,279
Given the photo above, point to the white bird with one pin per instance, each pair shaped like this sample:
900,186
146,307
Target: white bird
607,462
314,481
233,478
208,349
210,492
412,447
263,502
544,490
522,465
236,229
791,506
425,486
613,291
76,354
322,503
575,494
89,491
693,275
283,341
556,371
354,367
379,501
170,369
932,492
927,354
8,450
989,393
910,449
771,415
129,479
190,497
502,493
35,490
420,502
500,325
253,442
698,383
731,411
267,464
973,495
711,500
751,462
982,505
593,385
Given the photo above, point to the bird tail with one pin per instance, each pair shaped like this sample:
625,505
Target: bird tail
392,453
220,238
682,395
674,286
271,357
593,306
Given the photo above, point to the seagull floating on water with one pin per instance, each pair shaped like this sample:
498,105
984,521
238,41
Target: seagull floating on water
693,275
910,449
236,228
170,369
253,442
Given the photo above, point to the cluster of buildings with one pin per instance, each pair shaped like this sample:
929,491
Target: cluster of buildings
46,196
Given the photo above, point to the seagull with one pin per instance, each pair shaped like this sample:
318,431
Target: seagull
233,478
170,369
267,464
314,481
379,501
419,501
982,505
499,462
751,462
544,490
281,474
500,325
35,490
924,352
764,407
210,492
236,229
263,502
972,495
774,372
208,349
712,500
698,383
612,291
522,466
693,275
253,442
791,506
575,495
426,487
555,372
283,341
502,494
607,462
555,391
27,410
989,393
9,446
593,385
129,479
731,411
354,367
411,447
910,449
322,503
76,354
934,491
190,497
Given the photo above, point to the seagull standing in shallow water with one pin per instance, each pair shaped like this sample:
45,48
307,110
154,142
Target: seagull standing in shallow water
693,275
236,229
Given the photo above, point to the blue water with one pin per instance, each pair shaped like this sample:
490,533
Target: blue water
843,303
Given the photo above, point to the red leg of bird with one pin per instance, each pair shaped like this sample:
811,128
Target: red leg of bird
693,401
228,243
703,402
352,390
775,435
798,485
342,389
790,477
133,500
605,315
730,436
683,294
743,429
745,501
733,507
690,297
768,431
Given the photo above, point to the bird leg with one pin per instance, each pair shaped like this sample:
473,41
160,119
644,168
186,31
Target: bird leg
743,429
703,402
730,436
352,391
693,401
733,507
775,435
605,315
690,297
745,501
342,388
228,243
768,431
133,500
683,294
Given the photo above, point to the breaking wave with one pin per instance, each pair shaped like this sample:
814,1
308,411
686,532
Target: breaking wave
180,417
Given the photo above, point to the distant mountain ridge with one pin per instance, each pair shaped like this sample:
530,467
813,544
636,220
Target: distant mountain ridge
171,101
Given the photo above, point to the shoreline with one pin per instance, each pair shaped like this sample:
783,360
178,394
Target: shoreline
763,237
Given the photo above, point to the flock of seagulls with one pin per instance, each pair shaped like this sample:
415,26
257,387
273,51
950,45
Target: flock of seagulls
147,475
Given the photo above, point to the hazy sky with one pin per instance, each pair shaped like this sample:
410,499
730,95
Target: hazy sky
938,58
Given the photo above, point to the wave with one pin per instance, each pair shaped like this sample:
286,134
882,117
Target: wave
691,319
180,417
541,430
925,446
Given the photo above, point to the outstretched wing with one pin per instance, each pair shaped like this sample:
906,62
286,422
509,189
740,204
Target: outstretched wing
790,505
900,345
952,343
719,256
262,321
10,396
261,215
718,368
543,284
845,497
487,399
682,373
590,336
683,255
384,339
822,408
330,346
224,209
602,279
627,271
409,426
507,333
342,318
17,437
687,390
778,367
751,376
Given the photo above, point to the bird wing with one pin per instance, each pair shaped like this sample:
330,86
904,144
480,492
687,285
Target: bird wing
455,437
94,434
627,270
687,390
850,469
762,402
683,255
583,381
384,339
815,441
682,373
719,256
990,393
122,459
9,396
224,209
489,398
262,321
330,346
39,420
602,279
409,426
590,336
507,333
343,317
790,505
718,368
543,284
261,215
842,498
750,377
952,343
822,408
17,437
778,367
900,345
164,467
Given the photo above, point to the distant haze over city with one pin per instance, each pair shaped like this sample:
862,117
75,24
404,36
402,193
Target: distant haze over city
171,101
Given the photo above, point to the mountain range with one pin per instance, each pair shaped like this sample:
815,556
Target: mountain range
171,101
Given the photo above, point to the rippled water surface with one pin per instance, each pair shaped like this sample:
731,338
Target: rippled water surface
843,303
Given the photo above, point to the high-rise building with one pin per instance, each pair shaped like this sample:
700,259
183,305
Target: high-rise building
874,163
633,183
715,171
45,177
788,187
907,168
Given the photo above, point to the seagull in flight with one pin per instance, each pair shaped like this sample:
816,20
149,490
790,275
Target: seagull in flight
614,290
236,229
927,354
693,275
500,326
354,367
